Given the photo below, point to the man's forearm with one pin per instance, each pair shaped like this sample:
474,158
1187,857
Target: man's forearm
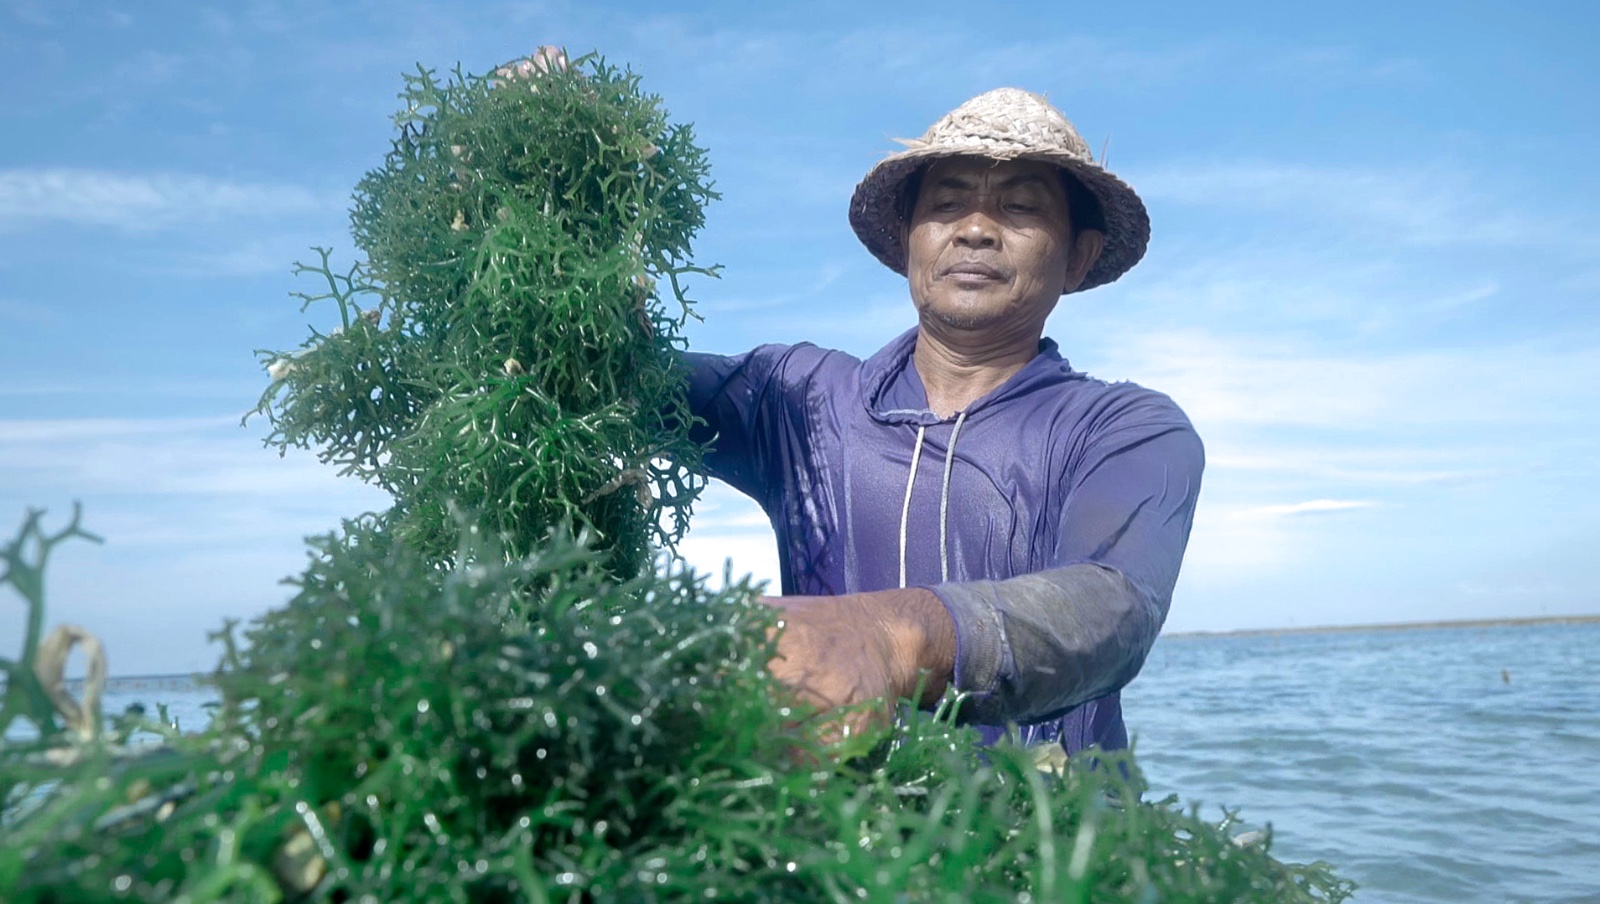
1034,646
1023,649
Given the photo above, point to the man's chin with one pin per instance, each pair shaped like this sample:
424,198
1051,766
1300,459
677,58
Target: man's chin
966,317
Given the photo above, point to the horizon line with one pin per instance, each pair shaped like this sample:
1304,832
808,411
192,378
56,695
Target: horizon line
1508,622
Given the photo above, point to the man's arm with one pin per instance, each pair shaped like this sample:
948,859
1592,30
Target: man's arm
740,403
1034,646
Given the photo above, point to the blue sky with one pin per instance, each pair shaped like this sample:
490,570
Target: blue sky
1372,281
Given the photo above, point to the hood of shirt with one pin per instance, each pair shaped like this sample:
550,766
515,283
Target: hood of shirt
892,391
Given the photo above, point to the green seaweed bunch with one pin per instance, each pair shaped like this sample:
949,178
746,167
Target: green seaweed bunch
386,737
505,344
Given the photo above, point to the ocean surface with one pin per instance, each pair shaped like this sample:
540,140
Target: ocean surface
1429,765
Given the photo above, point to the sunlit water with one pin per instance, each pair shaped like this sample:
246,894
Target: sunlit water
1405,758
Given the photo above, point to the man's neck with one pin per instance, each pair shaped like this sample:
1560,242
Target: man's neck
957,371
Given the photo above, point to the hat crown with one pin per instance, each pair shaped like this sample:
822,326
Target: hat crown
1005,122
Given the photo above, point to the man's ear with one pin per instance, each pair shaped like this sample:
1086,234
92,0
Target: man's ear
1086,248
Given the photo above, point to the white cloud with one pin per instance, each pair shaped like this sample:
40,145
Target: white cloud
1425,206
806,287
147,69
150,458
199,521
875,320
753,554
1309,507
731,536
1381,465
923,53
1240,380
142,201
1348,64
249,259
230,390
1268,284
32,13
29,313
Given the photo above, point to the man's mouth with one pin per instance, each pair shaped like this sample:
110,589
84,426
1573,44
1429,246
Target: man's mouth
973,271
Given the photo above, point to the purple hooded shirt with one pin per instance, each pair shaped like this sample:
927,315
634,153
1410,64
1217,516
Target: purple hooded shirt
1050,517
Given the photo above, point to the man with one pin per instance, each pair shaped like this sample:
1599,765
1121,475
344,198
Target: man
963,507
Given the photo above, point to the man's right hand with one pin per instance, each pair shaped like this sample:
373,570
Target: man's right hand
864,651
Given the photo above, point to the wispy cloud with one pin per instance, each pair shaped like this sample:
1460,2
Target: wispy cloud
221,390
1309,507
1262,285
158,457
872,323
1379,465
68,430
803,288
31,13
1238,379
250,259
27,312
133,201
941,51
910,57
723,510
731,535
1424,206
1348,64
148,69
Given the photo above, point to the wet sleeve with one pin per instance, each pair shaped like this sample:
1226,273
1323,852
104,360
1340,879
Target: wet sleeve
1032,647
737,402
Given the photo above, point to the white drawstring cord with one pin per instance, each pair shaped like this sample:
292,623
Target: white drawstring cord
905,511
944,507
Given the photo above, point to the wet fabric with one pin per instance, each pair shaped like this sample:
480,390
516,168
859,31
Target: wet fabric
1064,511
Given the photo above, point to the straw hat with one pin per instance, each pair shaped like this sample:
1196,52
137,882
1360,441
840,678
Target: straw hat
1004,124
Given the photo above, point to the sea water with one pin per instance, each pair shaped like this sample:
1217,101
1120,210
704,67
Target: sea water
1429,765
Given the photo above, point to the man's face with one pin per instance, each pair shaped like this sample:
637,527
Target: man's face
990,244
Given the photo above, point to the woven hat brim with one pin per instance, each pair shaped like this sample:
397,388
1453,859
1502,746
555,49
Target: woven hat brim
875,207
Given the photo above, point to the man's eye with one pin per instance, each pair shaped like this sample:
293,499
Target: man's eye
946,205
1020,207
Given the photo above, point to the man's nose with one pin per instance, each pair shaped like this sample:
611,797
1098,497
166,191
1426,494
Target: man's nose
977,230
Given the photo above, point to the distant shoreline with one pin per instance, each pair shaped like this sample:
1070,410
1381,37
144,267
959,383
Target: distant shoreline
1398,626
